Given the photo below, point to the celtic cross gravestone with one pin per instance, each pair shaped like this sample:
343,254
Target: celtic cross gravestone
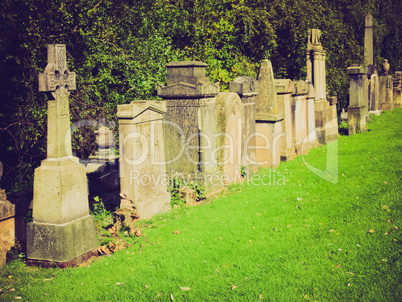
62,230
57,81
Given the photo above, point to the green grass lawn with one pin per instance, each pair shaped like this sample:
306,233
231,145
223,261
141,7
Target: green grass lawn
301,238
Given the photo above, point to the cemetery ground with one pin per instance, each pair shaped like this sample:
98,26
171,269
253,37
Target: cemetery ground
297,237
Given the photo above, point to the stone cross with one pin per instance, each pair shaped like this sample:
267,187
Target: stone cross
57,81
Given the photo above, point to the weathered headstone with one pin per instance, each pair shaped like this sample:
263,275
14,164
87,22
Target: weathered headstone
247,88
62,230
229,110
299,108
284,90
190,124
373,90
269,117
386,102
397,81
358,100
142,158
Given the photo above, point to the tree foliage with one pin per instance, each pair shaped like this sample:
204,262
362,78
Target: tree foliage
119,50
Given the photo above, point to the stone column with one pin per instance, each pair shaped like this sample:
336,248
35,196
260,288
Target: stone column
324,75
368,40
312,137
326,128
357,101
62,230
317,75
142,158
310,60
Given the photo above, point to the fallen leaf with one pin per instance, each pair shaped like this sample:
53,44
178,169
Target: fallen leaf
389,220
396,228
258,214
305,296
386,182
260,297
386,233
185,288
104,250
338,266
11,290
371,231
220,238
171,297
9,277
234,287
17,298
349,273
119,283
332,231
340,250
176,232
384,260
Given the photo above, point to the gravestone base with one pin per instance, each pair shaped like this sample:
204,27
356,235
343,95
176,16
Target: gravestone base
61,243
356,120
288,156
150,207
375,112
62,228
74,262
307,146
